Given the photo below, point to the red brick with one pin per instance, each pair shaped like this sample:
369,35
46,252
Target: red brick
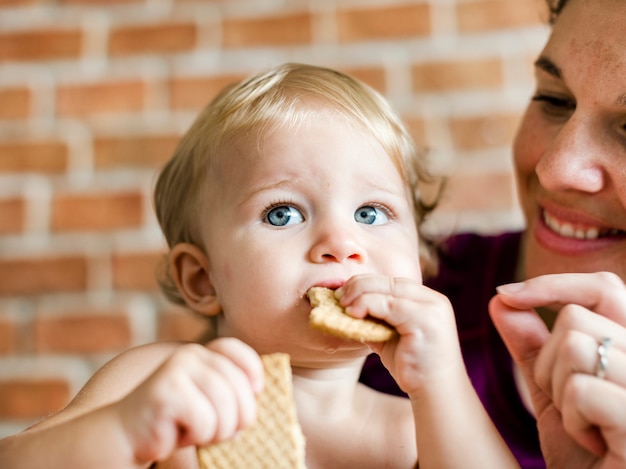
373,76
389,22
136,271
448,76
12,215
484,132
285,30
14,103
8,337
183,324
33,398
196,93
40,45
82,333
486,15
79,101
98,2
156,39
41,157
42,275
97,212
134,152
20,3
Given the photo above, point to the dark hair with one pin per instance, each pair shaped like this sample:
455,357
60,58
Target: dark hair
556,6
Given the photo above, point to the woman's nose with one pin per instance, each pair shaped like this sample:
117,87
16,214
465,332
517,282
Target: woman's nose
575,159
337,245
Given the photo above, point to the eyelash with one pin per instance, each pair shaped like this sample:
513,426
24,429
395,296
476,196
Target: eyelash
278,203
554,104
384,208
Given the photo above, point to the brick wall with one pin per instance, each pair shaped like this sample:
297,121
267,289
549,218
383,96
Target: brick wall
94,95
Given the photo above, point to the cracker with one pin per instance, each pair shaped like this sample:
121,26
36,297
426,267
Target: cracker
329,317
275,440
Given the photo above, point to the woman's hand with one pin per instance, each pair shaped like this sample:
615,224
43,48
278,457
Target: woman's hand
581,410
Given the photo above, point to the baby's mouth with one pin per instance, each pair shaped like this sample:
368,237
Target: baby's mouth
578,231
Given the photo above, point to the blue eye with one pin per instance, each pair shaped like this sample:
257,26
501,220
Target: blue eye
284,215
370,215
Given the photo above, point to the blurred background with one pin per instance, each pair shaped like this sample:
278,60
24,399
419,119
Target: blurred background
95,94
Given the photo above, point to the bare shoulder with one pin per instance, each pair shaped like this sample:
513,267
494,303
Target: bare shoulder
115,379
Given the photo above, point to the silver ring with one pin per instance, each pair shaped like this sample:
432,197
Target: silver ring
603,358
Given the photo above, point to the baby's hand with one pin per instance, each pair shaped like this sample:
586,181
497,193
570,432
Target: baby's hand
199,395
426,350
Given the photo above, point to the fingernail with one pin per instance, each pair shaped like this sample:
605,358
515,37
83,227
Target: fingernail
510,288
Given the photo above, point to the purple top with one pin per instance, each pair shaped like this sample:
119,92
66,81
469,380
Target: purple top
470,268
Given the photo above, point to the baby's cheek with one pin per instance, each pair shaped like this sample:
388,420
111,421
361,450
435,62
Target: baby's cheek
408,267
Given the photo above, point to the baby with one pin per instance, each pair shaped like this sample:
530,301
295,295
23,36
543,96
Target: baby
297,177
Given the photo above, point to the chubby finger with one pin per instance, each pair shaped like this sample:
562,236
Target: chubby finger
233,376
401,302
212,395
242,355
602,292
196,396
374,283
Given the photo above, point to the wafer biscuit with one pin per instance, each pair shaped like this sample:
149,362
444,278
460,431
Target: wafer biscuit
275,440
328,316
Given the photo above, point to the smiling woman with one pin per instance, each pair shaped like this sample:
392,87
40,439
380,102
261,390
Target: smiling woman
569,158
570,148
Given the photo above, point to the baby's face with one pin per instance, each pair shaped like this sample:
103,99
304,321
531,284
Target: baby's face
297,208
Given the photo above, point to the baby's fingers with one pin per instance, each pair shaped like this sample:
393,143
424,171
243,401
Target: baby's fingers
228,394
198,396
242,355
404,303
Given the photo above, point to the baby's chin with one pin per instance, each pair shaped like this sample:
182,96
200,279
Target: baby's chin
321,351
330,358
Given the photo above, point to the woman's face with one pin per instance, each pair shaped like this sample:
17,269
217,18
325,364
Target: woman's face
570,151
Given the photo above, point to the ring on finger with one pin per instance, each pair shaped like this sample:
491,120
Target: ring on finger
603,357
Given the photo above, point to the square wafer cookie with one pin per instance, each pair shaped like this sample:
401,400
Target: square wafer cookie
275,440
328,316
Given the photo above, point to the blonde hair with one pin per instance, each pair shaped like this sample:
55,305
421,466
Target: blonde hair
263,102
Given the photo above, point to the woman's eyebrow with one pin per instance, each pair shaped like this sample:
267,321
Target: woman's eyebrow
548,66
545,64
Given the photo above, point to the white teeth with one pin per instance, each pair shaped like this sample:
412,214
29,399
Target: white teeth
567,230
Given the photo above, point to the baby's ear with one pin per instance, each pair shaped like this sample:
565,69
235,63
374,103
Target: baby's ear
189,267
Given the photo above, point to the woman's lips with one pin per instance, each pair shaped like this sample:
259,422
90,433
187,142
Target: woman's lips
577,230
574,238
